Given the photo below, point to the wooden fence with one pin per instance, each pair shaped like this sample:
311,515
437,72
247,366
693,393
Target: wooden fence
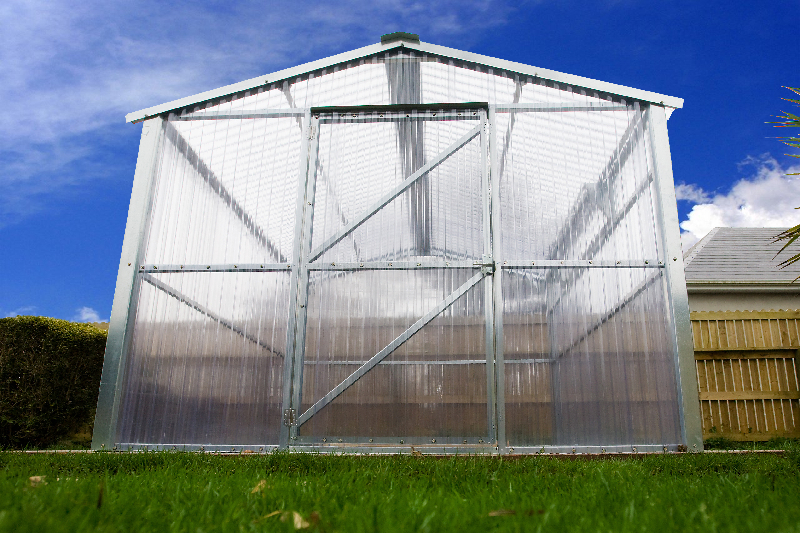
747,373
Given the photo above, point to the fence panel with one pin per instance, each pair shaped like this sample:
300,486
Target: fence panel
747,373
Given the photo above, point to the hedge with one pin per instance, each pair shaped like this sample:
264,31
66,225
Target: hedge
49,379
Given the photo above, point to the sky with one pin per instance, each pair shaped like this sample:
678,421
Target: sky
72,70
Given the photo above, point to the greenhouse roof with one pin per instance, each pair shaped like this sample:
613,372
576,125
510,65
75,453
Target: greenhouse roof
412,43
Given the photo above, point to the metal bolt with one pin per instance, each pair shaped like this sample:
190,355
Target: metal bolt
261,449
324,439
433,441
340,440
302,305
362,264
647,262
533,262
181,267
419,264
590,262
309,203
208,267
141,267
155,267
381,115
465,441
129,264
665,448
234,266
602,450
401,442
372,439
573,450
390,264
634,449
674,258
618,262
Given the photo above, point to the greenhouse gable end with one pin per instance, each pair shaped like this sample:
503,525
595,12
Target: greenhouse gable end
403,245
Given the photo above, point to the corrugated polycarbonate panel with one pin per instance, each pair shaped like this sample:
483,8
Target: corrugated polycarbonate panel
439,216
588,351
588,361
205,365
432,386
225,192
576,185
400,77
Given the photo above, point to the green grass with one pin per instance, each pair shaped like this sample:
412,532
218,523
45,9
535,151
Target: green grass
203,492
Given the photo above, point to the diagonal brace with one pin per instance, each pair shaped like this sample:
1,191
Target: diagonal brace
391,347
160,285
397,191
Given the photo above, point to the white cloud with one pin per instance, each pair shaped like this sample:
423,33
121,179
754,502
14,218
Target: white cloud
24,310
691,192
72,70
765,200
87,314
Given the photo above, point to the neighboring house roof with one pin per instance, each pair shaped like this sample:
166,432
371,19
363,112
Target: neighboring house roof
411,42
740,259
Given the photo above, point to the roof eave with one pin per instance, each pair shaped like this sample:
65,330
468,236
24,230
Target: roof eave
670,102
716,286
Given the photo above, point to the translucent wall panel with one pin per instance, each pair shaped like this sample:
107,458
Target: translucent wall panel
225,192
595,367
359,163
433,386
205,365
576,185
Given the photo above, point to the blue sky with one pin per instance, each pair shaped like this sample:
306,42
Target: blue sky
72,70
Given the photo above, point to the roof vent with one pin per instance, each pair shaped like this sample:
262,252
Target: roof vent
399,36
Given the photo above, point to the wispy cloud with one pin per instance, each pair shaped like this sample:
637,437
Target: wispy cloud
87,314
24,310
72,70
767,199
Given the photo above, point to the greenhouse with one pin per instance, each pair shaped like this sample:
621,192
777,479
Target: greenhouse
404,247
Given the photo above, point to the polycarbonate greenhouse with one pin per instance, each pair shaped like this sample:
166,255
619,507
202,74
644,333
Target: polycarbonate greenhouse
403,245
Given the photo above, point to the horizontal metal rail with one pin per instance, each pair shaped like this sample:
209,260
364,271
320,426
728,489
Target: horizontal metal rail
397,191
556,107
397,117
582,263
393,265
391,347
426,362
242,114
200,308
395,108
227,267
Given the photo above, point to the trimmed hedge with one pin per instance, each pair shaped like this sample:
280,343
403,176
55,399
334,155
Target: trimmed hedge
49,379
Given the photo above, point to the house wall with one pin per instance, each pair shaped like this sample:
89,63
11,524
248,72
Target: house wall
743,301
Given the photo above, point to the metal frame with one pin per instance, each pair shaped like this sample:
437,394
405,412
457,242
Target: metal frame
667,212
308,256
126,292
304,260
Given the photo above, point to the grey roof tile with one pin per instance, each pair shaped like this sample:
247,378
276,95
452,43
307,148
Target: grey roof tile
740,255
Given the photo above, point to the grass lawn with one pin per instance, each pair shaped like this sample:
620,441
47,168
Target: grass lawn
202,492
